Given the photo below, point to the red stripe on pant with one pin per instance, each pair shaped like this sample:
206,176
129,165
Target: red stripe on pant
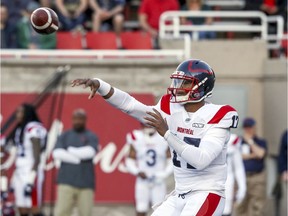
209,206
34,195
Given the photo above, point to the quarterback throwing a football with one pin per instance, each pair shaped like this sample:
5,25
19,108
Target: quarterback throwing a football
197,133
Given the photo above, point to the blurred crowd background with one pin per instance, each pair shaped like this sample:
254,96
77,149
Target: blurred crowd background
118,16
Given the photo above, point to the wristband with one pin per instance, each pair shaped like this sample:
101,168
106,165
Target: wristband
104,87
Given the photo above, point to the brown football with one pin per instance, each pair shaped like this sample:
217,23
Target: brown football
44,20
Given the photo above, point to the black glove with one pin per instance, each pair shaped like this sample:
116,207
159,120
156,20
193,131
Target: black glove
28,190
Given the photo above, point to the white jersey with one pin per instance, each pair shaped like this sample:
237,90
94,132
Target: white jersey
150,151
25,158
191,130
235,171
234,149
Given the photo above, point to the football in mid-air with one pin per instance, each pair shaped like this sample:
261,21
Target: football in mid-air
44,20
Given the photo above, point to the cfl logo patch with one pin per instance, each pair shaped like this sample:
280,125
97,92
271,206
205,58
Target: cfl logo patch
198,125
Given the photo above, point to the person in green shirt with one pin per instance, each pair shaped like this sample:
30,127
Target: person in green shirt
26,36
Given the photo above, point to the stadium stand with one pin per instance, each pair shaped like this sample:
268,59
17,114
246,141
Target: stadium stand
102,40
226,4
285,44
228,25
68,40
136,40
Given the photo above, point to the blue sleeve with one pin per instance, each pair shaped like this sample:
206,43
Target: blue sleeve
282,157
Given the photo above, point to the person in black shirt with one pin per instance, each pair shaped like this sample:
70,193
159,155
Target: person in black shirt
76,149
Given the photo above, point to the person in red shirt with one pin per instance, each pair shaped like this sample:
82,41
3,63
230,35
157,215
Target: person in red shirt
270,7
150,12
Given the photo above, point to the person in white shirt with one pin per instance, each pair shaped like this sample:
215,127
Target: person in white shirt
236,171
197,133
149,160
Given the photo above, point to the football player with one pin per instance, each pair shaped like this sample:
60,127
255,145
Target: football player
30,138
196,131
149,160
236,171
3,177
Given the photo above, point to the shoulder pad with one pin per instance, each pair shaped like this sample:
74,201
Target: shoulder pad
132,136
165,104
225,117
35,129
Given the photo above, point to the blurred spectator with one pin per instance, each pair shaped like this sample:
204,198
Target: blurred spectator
273,8
46,3
26,36
269,7
75,149
253,153
253,5
282,169
235,171
149,15
71,13
197,5
15,10
4,27
108,14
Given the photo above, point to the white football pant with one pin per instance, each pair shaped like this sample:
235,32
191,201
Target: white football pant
192,204
19,182
148,194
